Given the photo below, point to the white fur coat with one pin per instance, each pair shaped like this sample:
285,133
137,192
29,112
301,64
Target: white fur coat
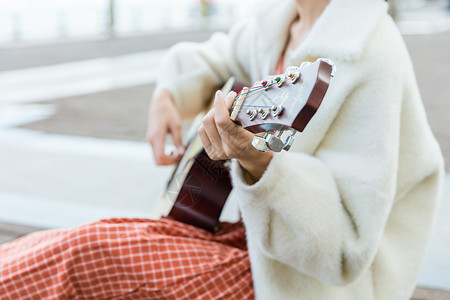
347,213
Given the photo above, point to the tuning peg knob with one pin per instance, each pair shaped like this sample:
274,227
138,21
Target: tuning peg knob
260,144
288,143
280,80
293,73
276,110
290,139
273,143
264,112
252,113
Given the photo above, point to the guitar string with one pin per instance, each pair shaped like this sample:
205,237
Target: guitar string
262,87
255,90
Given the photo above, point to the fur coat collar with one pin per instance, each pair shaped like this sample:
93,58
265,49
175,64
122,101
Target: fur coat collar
340,33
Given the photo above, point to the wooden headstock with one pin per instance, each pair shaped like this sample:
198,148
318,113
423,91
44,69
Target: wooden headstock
283,102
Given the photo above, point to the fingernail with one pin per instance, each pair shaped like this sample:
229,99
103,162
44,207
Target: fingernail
218,93
232,93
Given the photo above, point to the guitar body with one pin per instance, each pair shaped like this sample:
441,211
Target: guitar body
277,106
200,186
203,193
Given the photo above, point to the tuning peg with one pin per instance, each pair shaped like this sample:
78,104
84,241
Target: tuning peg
267,84
276,110
294,76
260,144
264,112
293,73
273,142
280,80
252,113
289,140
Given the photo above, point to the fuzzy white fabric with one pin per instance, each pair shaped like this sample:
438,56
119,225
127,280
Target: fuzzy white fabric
347,213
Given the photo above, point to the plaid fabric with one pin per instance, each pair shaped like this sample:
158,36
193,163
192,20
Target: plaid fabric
128,259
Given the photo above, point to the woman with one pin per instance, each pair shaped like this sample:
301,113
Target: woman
346,214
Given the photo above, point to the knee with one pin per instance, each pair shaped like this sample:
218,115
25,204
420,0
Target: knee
89,237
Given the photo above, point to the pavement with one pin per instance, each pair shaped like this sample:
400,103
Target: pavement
15,56
72,146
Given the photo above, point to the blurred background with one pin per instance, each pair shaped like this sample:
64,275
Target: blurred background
76,78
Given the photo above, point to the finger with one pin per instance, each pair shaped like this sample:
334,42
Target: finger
158,146
211,131
175,130
229,100
221,115
205,140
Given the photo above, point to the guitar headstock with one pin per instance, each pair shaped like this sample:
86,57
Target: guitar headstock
282,103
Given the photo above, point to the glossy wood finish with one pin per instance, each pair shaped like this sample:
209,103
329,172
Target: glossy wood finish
203,184
300,100
203,193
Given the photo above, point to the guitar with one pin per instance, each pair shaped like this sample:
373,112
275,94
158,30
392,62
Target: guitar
278,106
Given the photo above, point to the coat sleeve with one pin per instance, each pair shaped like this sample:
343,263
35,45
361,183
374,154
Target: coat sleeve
324,214
191,71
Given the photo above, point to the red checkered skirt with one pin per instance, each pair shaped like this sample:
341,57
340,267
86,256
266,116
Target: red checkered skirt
128,259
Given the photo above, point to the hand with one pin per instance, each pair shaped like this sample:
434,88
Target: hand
163,119
224,139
